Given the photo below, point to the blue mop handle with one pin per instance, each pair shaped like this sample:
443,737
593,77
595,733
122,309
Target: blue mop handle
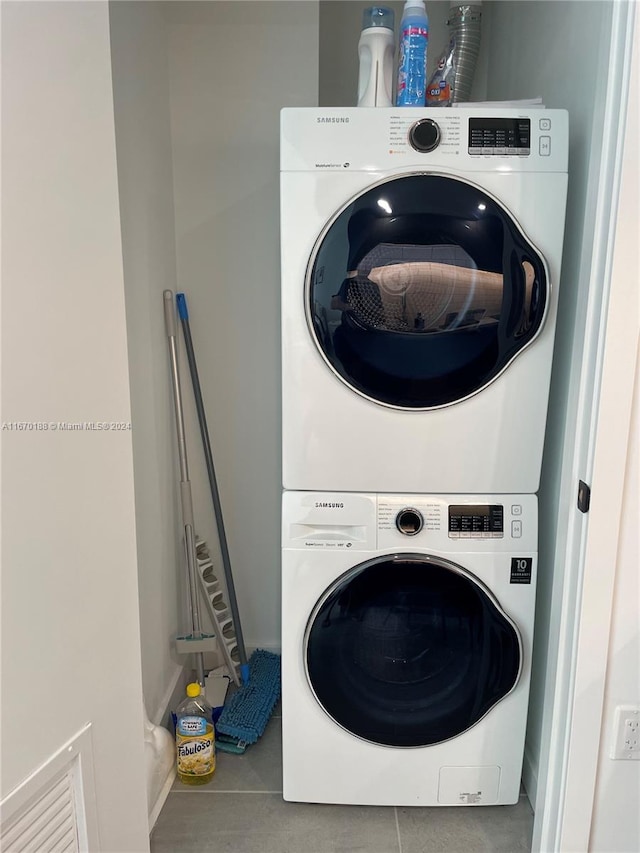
183,312
181,302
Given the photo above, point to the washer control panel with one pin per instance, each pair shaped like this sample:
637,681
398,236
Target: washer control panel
458,523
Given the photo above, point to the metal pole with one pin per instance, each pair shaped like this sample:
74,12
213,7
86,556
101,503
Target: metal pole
215,495
185,485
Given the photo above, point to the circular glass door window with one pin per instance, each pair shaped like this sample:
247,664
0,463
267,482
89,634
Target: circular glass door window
422,290
409,651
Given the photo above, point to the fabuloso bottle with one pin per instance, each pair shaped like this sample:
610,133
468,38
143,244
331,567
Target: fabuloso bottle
412,60
195,747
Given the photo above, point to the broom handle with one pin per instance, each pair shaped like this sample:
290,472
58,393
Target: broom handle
215,495
185,485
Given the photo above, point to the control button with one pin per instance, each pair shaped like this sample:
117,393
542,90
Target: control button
516,529
545,124
424,136
545,146
409,521
516,509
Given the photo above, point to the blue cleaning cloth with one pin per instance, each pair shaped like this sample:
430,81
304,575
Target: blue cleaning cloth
247,712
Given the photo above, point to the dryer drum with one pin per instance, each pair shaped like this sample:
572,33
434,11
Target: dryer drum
410,651
422,290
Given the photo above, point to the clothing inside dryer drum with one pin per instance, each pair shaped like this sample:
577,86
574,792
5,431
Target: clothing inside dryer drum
422,290
408,652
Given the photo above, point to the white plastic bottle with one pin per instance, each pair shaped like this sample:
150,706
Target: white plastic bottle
412,60
195,744
375,51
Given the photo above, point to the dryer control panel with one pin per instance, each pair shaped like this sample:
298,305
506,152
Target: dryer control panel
475,139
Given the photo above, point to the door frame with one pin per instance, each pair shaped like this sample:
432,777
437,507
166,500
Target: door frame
572,725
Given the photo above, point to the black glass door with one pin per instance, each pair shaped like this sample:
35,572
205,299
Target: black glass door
422,290
410,651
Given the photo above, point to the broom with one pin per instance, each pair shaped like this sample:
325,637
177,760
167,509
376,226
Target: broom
246,714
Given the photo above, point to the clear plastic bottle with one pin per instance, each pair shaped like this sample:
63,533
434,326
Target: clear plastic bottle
412,60
195,740
375,52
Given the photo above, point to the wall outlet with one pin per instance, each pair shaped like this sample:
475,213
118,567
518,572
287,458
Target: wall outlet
626,733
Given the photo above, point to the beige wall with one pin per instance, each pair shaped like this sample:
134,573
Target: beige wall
225,106
70,629
139,49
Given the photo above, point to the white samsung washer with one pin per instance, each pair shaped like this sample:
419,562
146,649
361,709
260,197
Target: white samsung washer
407,628
421,257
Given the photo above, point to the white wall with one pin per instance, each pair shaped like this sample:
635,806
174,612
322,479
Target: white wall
615,823
70,628
557,50
225,104
139,49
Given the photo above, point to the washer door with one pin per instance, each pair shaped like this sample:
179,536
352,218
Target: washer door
422,290
409,651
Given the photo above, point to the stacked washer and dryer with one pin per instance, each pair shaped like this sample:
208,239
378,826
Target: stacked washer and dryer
420,266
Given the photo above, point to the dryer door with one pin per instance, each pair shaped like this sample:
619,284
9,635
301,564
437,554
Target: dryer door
422,290
410,650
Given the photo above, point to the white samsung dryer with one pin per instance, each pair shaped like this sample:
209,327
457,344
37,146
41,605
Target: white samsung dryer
407,629
420,262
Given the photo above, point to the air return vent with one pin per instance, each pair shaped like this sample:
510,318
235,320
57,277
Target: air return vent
49,824
53,810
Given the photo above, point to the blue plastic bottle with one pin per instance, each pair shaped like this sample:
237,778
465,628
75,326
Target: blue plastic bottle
412,61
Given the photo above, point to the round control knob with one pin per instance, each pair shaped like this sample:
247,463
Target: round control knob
409,521
424,136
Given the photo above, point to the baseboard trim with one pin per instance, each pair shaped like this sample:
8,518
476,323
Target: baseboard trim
172,696
154,814
530,777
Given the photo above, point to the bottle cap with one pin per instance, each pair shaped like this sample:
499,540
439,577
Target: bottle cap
193,690
377,16
418,4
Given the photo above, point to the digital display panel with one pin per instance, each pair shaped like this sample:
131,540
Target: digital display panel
478,519
500,136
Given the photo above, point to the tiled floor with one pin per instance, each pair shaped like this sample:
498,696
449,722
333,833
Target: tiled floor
242,811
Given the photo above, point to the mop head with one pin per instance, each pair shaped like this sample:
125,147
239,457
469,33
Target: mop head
246,714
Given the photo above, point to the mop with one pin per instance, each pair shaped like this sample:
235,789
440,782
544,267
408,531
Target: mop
246,714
